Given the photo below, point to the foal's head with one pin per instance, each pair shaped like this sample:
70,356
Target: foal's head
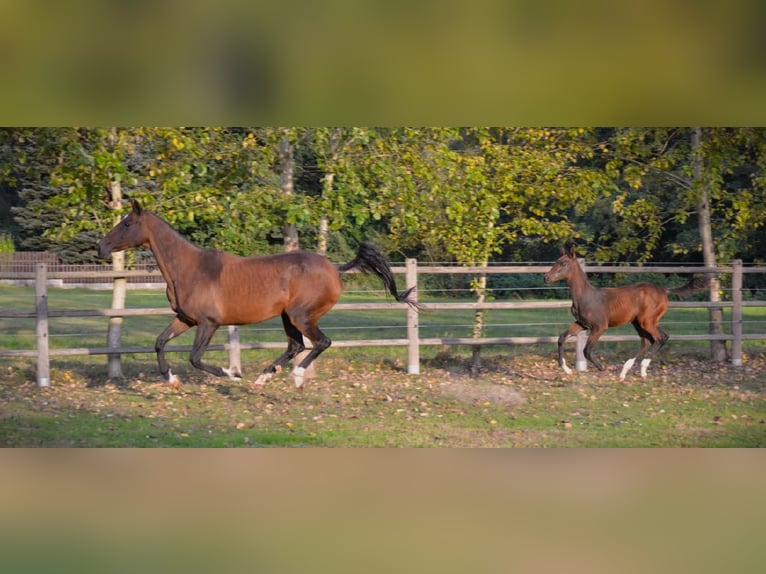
564,267
129,232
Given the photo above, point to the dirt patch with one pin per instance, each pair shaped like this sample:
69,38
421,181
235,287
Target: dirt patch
479,392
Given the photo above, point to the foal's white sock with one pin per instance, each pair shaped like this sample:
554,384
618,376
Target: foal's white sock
626,367
298,373
564,366
644,366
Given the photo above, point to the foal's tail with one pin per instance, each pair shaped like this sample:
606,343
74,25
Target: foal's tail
695,285
369,259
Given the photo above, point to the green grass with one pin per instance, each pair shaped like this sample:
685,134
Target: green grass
339,325
365,398
369,401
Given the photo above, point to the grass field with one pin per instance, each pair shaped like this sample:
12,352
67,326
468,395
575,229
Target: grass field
365,398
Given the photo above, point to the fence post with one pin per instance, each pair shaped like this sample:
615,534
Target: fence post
736,313
581,363
235,361
413,328
114,329
41,304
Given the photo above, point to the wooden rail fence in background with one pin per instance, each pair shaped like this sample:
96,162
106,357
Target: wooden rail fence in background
412,342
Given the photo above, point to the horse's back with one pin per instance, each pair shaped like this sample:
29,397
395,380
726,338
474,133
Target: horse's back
261,287
635,301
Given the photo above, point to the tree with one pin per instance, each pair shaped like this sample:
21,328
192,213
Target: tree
286,171
339,151
702,190
216,185
473,190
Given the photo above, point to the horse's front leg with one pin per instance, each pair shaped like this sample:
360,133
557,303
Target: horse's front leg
573,329
176,327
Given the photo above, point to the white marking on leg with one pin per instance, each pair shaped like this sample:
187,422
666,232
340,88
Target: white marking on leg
232,374
298,373
564,366
263,378
173,378
626,367
644,366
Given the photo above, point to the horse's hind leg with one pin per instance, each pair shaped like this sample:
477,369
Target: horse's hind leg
205,332
175,328
294,346
646,341
659,338
320,342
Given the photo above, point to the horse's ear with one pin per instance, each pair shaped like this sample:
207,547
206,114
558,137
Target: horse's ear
563,251
135,205
572,252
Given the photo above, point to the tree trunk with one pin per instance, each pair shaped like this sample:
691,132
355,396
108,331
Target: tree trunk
480,287
717,348
287,163
119,290
324,221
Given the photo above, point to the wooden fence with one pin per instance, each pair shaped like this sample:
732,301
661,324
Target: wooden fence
413,341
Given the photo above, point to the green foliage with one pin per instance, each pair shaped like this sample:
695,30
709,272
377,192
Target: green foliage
469,195
6,243
653,213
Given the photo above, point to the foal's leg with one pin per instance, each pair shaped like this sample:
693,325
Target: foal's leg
593,336
646,341
294,346
573,329
175,328
658,338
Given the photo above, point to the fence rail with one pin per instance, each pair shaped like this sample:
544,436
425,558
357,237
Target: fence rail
41,279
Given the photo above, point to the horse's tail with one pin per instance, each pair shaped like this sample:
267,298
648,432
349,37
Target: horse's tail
369,259
695,285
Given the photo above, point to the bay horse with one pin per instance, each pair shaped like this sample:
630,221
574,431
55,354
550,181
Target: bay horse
208,288
595,309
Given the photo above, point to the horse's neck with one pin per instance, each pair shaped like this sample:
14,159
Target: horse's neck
579,284
170,249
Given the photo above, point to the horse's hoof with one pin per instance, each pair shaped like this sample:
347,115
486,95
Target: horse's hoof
233,373
174,380
262,379
298,374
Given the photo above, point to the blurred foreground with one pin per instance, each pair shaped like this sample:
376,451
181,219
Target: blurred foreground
383,511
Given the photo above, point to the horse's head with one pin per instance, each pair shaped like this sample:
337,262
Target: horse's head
563,267
129,232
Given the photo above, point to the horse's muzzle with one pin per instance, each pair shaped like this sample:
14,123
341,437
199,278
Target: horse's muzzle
103,250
